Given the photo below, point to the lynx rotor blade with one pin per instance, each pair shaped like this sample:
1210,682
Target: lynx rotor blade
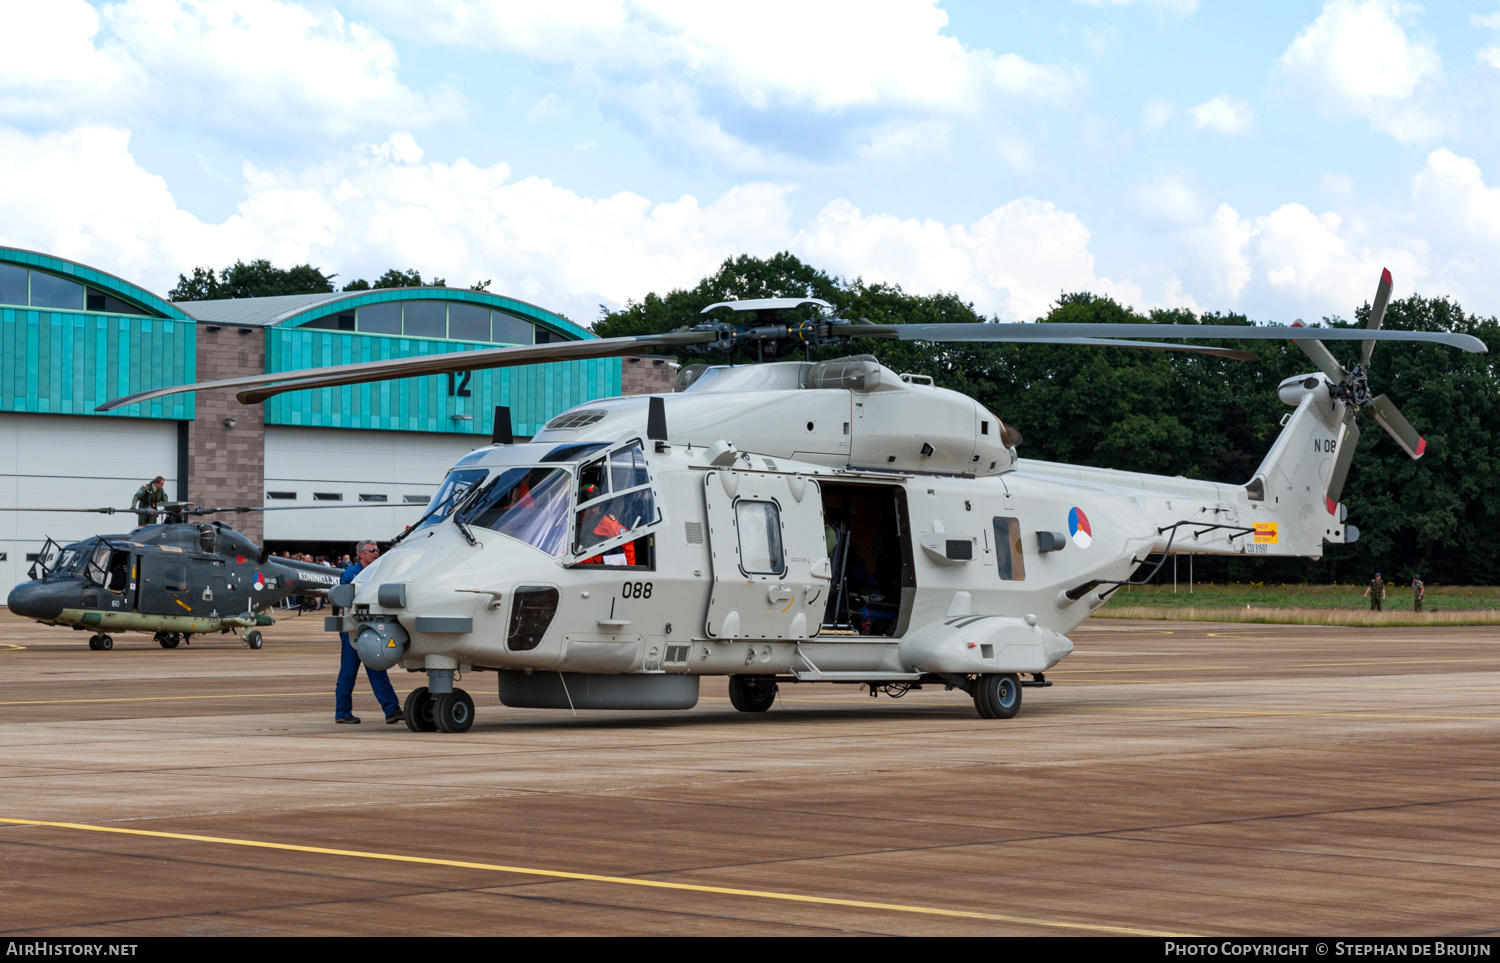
432,364
1377,314
98,511
1342,459
1397,426
1322,357
1217,332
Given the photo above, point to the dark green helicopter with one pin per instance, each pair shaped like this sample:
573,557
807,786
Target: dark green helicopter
176,579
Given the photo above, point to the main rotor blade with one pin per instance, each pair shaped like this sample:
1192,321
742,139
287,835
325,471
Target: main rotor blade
431,364
1398,427
243,509
1377,314
1342,459
1046,333
100,511
1158,346
1322,357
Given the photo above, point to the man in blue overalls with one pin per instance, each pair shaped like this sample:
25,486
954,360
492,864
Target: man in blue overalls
343,703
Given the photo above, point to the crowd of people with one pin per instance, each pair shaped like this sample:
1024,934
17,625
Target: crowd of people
310,603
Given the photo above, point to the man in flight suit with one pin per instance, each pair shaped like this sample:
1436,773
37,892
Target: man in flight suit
1376,592
343,692
604,525
151,495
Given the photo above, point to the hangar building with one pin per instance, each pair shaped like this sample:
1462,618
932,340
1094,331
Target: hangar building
72,337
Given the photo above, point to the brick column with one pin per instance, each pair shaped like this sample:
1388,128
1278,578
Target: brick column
227,463
647,375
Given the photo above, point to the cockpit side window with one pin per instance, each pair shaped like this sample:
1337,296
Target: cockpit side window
98,565
619,502
592,481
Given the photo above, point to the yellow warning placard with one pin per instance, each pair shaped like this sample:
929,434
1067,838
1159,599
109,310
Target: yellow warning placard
1265,533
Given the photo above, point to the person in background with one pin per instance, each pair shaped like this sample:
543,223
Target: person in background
1418,591
150,496
349,664
1375,591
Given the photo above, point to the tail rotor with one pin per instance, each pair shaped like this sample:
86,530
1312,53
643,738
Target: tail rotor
1352,386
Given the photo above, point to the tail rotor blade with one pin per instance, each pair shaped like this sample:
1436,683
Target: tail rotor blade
1343,457
1398,427
1322,357
1377,315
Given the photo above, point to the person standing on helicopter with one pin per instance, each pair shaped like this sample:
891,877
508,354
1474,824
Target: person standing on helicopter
149,496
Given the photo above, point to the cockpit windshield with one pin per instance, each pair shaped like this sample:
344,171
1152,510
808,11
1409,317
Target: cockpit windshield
454,487
529,504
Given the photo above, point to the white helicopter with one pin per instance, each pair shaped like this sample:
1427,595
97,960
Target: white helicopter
798,522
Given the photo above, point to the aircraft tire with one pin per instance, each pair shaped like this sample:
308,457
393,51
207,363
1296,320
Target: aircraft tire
253,639
454,711
94,643
751,698
419,711
168,640
998,696
105,642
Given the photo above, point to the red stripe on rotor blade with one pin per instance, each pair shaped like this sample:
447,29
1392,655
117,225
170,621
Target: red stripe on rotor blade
1421,446
1332,505
1385,276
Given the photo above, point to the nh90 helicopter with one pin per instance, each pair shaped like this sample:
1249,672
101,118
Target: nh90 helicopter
797,522
176,580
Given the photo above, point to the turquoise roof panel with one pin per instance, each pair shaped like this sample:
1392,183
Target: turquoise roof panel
87,275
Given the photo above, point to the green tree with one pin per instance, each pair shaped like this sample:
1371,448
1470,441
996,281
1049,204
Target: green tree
257,279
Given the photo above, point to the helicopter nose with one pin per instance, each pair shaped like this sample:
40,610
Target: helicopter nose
37,600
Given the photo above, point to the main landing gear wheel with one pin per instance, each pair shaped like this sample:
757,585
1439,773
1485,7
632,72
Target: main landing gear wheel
101,642
454,711
168,640
997,696
253,639
419,709
748,694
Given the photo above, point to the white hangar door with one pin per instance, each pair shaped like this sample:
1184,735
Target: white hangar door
770,562
385,478
74,461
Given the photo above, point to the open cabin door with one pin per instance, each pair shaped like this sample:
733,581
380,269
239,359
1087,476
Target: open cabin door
770,562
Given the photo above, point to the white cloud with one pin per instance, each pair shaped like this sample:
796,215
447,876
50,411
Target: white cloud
705,76
1223,115
1491,21
1157,114
1013,262
1180,8
1169,199
251,69
898,142
80,194
1358,59
1219,254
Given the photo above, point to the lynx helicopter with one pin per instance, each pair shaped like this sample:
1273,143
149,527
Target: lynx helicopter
175,579
798,522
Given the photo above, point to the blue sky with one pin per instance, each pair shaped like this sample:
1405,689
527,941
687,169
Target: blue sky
1266,159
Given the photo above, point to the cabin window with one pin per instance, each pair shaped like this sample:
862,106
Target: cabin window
759,525
119,572
174,576
1008,559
